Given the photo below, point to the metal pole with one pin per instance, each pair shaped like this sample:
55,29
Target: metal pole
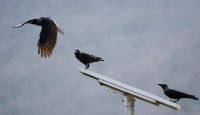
129,104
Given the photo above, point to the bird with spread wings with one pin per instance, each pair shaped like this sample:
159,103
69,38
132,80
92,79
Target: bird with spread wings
48,34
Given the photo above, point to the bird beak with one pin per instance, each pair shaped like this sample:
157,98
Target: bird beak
162,85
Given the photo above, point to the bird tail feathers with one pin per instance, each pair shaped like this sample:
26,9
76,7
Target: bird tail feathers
101,60
193,97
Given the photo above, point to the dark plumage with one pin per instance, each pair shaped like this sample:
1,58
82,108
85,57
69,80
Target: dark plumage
175,94
48,34
86,58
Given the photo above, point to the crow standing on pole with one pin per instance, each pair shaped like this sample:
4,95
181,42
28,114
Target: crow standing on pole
48,34
86,58
176,94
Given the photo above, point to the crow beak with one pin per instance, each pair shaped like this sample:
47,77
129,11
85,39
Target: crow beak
162,85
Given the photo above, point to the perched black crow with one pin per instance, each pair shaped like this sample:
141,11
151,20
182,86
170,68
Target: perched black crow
86,58
48,34
175,94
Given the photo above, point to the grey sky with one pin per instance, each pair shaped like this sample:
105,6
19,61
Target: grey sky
143,42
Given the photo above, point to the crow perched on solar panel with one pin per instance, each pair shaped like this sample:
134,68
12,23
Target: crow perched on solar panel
175,94
86,58
48,34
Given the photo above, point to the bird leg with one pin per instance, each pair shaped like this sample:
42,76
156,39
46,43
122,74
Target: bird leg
87,66
176,100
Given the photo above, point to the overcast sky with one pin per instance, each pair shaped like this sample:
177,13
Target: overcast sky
143,42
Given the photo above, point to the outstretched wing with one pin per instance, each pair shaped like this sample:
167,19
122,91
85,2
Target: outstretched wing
19,25
59,28
29,21
48,38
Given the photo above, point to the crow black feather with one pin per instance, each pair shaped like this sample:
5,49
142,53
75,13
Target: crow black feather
174,94
86,58
48,34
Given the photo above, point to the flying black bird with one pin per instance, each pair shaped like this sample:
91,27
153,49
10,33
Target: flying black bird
175,94
48,34
86,58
